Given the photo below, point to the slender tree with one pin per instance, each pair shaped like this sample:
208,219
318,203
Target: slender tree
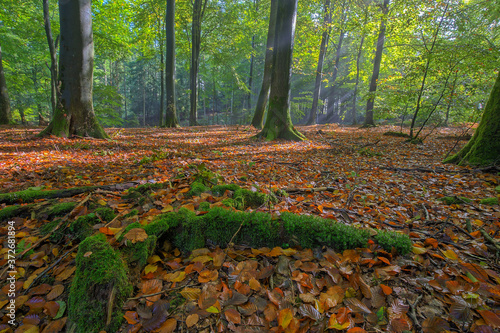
171,117
199,7
376,67
54,91
484,146
319,71
260,108
279,122
74,114
5,115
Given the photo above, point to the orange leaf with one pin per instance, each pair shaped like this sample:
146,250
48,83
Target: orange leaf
356,330
168,326
131,317
192,319
386,289
490,318
300,198
233,316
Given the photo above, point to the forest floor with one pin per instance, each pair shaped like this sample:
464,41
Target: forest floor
449,282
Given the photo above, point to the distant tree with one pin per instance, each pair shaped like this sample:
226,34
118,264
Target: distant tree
199,7
279,122
74,114
5,115
54,93
171,118
319,71
376,67
484,147
260,108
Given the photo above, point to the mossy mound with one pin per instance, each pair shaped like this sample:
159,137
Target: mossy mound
197,188
188,231
100,281
489,201
455,200
397,134
33,194
219,190
10,212
497,189
60,209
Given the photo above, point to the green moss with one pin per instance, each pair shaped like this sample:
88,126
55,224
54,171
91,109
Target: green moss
246,198
10,212
140,252
82,227
204,206
397,134
497,189
197,188
228,202
219,190
389,240
61,209
312,231
455,200
133,212
105,213
489,201
96,276
31,195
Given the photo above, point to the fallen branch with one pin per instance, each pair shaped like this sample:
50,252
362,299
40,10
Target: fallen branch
310,190
490,239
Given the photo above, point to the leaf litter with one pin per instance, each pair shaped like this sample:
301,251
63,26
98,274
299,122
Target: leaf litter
450,281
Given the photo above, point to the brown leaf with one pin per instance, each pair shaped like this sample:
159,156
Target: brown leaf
168,326
356,305
435,325
66,273
490,318
307,310
52,308
56,291
233,316
136,235
285,316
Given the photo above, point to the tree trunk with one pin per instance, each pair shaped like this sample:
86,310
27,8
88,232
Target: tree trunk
54,92
426,72
5,114
319,71
279,122
260,108
75,113
162,83
484,147
250,76
198,12
331,93
376,68
171,117
356,82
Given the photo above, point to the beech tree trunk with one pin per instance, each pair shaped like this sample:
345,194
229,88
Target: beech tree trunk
74,114
5,114
484,146
198,12
356,82
260,108
331,93
376,68
279,122
171,116
319,71
54,91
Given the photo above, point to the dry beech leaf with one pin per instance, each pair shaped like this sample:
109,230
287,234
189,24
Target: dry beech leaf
55,326
285,316
307,298
191,294
192,320
490,318
52,308
56,291
168,326
307,310
232,316
131,317
66,273
386,289
136,235
435,325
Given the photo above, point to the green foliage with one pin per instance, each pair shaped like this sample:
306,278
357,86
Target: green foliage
219,190
389,240
204,206
489,201
82,227
97,275
397,134
197,188
455,200
105,213
203,175
246,198
369,152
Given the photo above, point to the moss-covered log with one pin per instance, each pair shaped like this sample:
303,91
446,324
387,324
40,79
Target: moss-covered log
484,147
99,289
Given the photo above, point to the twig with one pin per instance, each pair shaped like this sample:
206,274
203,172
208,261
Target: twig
111,304
412,314
489,239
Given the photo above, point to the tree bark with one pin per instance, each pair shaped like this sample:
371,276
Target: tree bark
198,12
250,76
279,122
5,113
171,116
54,91
260,108
331,93
319,71
484,146
356,82
75,113
162,82
376,67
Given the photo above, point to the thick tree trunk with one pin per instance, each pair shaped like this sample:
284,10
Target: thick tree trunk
171,117
331,93
162,84
319,71
250,76
198,11
260,108
5,114
376,68
279,122
484,147
75,114
54,92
